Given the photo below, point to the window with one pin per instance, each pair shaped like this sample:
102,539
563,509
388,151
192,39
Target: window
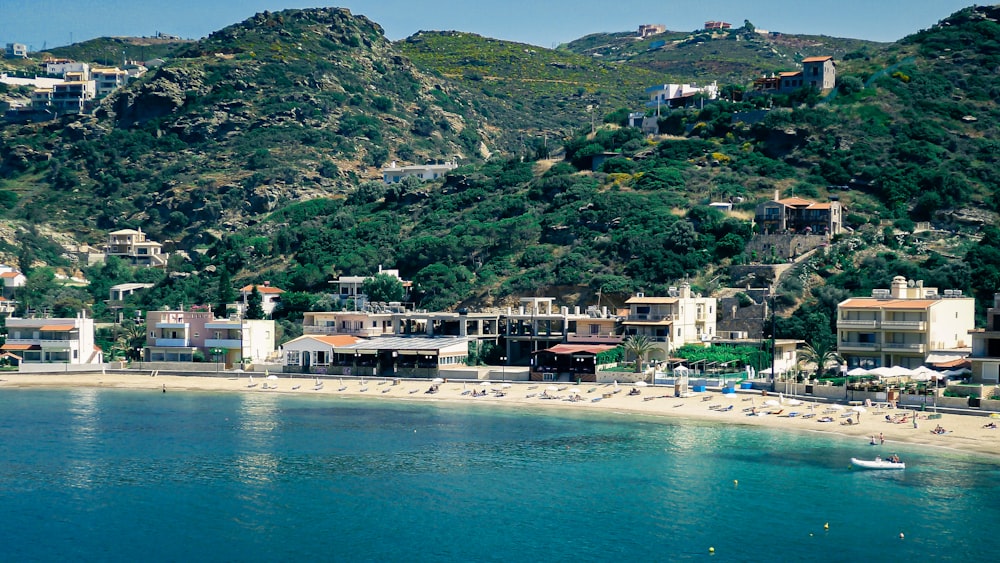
292,357
595,329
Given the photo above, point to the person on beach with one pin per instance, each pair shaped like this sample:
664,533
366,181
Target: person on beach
881,439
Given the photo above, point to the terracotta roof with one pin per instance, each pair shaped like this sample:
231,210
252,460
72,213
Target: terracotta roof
820,206
57,328
576,348
788,74
21,347
262,289
10,274
816,59
956,363
796,201
872,303
337,340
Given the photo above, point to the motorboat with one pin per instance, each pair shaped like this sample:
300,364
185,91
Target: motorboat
877,463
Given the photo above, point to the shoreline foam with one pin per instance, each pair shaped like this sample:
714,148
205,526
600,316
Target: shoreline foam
965,432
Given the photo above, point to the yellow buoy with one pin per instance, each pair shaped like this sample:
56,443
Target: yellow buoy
826,526
736,482
711,550
901,536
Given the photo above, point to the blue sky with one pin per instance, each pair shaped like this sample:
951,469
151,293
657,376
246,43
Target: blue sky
546,23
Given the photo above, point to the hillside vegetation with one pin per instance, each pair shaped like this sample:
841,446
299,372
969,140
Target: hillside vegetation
255,150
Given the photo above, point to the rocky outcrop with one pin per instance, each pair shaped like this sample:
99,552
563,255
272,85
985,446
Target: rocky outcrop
165,94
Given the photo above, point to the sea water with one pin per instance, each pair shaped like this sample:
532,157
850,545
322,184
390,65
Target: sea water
125,475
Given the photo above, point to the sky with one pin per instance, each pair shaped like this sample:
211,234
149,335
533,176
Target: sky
547,23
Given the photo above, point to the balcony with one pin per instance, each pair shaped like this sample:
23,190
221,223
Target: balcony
904,325
173,342
856,323
848,345
652,318
610,339
228,343
912,348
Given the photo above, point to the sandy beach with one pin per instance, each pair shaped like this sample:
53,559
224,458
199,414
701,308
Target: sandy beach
963,432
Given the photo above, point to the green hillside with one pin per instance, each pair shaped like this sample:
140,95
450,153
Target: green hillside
256,152
735,56
530,90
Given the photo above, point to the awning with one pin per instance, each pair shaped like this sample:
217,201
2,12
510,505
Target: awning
20,347
57,328
578,348
940,358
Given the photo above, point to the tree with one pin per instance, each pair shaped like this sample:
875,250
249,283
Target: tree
254,308
383,287
226,294
821,354
639,346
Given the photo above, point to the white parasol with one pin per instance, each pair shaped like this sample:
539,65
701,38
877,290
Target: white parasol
641,384
437,380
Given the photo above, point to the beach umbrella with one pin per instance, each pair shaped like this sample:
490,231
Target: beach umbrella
551,388
486,384
506,386
641,384
859,408
272,377
793,402
437,380
857,372
837,407
771,403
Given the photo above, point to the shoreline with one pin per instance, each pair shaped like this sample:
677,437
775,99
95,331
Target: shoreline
965,433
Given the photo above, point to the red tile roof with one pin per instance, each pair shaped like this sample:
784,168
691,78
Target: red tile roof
871,302
816,59
261,289
574,348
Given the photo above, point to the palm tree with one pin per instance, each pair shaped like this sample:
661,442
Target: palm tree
821,354
639,346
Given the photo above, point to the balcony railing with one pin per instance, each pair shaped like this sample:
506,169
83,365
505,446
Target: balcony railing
903,346
650,318
904,325
857,323
862,345
173,342
227,343
603,338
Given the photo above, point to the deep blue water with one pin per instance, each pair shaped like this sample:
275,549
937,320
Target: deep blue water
117,475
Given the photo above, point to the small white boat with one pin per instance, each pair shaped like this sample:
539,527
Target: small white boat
877,463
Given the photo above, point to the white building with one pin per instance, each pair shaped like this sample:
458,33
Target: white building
270,297
108,80
673,321
16,51
42,340
61,67
677,95
393,173
131,245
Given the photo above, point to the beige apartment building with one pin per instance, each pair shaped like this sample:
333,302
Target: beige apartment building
903,325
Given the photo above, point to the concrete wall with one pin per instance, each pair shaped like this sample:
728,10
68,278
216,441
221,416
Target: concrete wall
65,368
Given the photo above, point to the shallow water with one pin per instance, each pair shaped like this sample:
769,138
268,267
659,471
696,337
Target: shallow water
136,475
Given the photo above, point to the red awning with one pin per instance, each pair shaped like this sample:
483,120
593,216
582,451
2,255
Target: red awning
20,347
57,328
578,348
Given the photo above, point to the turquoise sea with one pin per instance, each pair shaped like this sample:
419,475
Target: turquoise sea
124,475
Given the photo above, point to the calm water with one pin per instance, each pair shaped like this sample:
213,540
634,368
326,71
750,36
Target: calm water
142,476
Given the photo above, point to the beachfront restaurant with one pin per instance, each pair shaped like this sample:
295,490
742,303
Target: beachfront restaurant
396,356
567,362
